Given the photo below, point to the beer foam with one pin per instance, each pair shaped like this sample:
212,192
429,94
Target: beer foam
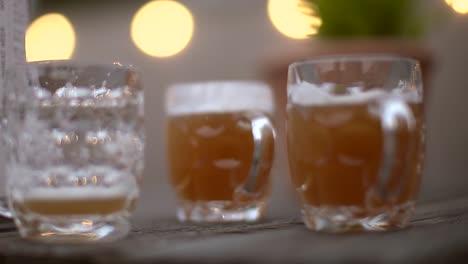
75,193
311,94
219,97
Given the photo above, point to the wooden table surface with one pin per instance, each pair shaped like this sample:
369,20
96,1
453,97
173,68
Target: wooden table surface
438,234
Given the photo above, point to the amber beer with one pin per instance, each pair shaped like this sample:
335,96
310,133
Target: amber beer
335,153
75,201
211,146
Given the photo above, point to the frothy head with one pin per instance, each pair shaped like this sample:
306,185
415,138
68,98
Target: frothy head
311,94
75,193
219,97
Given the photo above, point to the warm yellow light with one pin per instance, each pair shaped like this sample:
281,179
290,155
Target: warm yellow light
50,37
162,28
292,19
460,6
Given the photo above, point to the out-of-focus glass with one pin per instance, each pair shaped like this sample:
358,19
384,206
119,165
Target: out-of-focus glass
75,139
220,149
355,133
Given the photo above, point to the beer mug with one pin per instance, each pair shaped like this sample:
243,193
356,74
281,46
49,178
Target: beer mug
355,135
75,142
220,147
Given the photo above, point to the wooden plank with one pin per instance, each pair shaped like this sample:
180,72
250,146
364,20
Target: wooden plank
438,234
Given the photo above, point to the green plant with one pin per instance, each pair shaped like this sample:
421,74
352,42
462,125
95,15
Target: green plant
363,18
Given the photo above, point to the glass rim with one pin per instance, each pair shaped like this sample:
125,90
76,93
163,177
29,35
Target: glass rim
128,74
358,57
82,64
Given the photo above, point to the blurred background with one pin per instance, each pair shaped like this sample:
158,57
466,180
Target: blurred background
195,40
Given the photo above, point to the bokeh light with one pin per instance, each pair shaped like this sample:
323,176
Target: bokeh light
292,18
460,6
50,37
162,28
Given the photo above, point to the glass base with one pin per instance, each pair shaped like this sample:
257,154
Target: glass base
74,229
352,218
219,211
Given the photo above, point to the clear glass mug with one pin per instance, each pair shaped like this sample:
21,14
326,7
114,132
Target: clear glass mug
220,145
355,134
75,140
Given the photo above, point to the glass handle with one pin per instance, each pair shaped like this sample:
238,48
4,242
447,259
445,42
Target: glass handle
4,210
395,114
263,152
12,99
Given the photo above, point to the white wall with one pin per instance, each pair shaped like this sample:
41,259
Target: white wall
447,161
